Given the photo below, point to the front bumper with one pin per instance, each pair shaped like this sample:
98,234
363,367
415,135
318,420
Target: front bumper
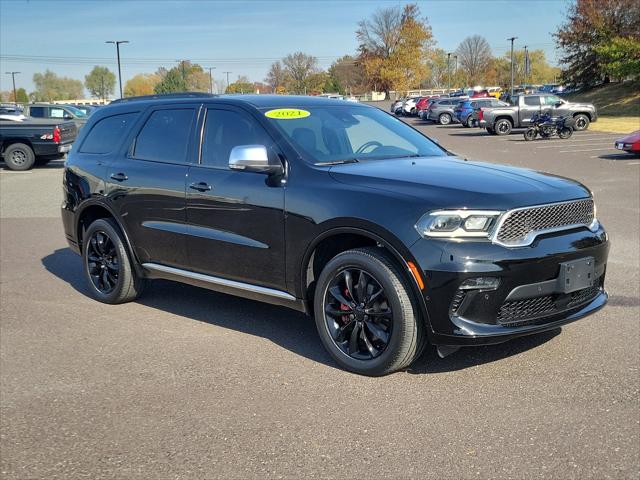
526,299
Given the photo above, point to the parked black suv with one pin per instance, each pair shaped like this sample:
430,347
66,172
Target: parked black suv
335,209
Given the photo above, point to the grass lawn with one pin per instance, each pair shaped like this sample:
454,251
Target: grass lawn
612,124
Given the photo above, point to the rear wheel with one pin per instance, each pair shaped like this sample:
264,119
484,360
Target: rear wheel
503,127
364,313
467,122
530,134
19,157
107,265
581,122
444,119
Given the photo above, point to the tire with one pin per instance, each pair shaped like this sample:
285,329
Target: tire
413,112
467,122
530,134
503,127
396,318
444,119
127,286
19,157
565,133
581,122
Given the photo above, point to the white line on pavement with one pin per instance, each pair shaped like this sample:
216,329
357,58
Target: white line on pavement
587,150
576,145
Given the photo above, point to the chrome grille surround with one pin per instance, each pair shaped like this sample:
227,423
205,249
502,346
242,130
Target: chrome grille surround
519,227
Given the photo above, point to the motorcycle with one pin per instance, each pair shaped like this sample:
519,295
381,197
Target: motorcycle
546,126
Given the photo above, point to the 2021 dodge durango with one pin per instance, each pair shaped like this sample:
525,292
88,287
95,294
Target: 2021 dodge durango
332,208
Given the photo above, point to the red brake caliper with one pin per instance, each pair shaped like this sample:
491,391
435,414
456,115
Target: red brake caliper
345,318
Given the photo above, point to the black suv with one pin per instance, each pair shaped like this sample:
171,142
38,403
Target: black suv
335,209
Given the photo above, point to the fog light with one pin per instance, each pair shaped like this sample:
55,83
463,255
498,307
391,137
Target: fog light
480,283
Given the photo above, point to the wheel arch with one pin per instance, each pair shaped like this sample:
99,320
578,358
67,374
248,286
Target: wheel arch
587,113
94,210
338,239
7,142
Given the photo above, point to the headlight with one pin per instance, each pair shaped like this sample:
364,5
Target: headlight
458,223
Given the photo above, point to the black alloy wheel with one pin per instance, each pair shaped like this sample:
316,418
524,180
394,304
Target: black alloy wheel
581,122
358,314
103,263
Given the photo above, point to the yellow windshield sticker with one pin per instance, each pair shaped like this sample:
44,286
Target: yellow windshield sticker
287,113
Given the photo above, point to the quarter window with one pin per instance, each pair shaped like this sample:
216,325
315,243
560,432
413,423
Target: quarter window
37,112
107,133
165,136
226,129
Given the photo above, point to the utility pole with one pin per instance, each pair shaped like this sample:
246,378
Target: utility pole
210,79
13,78
512,39
526,64
117,44
448,73
227,73
455,69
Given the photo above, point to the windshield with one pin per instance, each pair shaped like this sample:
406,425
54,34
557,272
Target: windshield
335,134
76,111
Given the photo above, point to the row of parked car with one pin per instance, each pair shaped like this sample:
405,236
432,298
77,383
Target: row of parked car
498,117
37,133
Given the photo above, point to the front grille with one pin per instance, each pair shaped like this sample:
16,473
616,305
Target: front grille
531,310
519,224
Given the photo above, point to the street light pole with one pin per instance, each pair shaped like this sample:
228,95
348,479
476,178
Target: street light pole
526,65
117,44
448,73
210,79
13,78
227,73
512,39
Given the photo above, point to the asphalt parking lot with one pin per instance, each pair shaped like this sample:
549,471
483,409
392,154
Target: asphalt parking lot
186,383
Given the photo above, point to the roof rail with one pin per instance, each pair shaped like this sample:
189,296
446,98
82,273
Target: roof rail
165,95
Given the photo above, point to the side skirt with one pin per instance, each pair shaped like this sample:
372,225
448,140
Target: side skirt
223,285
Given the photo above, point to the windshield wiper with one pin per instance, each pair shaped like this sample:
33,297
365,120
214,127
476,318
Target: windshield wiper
337,162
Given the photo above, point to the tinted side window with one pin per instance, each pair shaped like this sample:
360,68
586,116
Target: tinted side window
225,129
37,112
532,101
107,133
165,136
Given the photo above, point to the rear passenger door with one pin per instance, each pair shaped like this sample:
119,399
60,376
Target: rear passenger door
236,218
530,107
146,184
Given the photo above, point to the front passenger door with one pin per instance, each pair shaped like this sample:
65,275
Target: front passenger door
235,219
530,108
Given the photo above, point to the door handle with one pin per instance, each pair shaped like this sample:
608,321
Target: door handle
200,186
119,177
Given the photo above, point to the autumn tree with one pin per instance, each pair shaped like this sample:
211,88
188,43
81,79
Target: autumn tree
392,47
590,26
185,77
241,85
620,57
141,84
436,75
50,86
346,75
276,76
20,97
474,57
100,82
299,67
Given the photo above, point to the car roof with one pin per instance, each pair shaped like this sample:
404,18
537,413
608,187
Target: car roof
257,101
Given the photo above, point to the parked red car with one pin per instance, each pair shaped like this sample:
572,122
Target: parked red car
481,94
630,143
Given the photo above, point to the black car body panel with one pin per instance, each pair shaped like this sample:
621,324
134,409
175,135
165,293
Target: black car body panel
258,234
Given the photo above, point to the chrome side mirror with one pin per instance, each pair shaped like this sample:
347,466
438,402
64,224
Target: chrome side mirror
252,158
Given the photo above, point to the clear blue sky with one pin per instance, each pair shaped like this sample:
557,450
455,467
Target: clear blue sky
243,37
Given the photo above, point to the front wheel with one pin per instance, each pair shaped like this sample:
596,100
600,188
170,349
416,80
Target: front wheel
364,314
565,133
503,127
107,265
530,134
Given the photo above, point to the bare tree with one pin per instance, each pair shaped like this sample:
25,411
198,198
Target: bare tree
276,76
381,33
474,56
299,67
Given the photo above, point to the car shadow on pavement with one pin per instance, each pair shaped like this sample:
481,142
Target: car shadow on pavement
287,328
467,357
619,156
